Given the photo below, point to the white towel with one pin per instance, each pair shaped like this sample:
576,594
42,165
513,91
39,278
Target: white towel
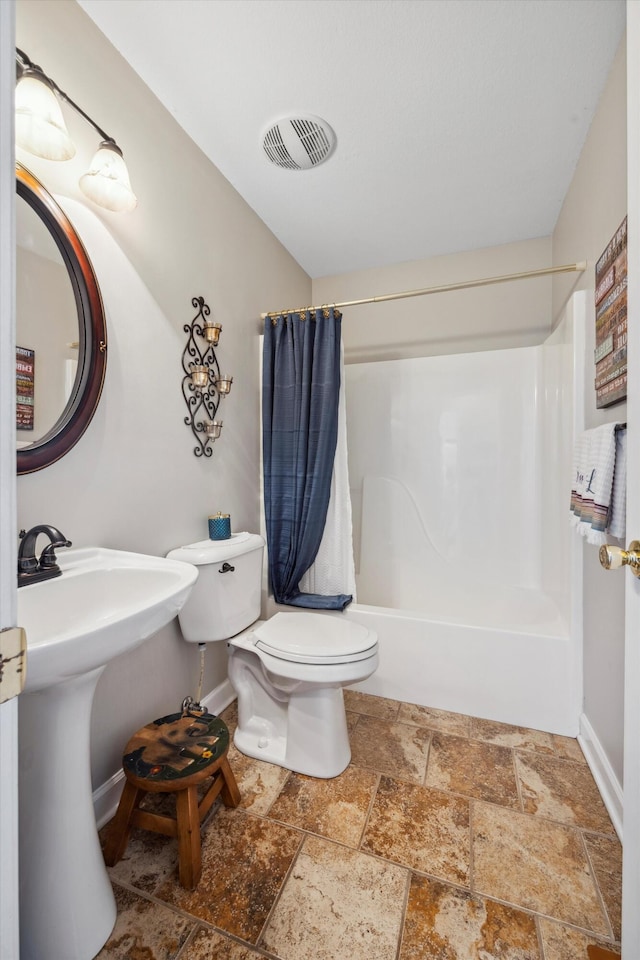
597,499
618,516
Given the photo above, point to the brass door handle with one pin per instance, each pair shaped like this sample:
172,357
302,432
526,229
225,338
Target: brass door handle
612,558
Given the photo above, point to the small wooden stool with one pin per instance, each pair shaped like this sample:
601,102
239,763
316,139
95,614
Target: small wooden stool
174,754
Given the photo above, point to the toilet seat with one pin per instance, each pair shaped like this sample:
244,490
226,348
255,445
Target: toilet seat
311,638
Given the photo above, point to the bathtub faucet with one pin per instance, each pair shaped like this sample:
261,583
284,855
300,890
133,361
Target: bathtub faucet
30,569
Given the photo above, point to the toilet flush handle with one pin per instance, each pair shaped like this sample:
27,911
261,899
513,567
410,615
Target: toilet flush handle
226,568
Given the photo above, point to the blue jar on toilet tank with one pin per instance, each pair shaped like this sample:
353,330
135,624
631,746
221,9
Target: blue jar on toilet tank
220,526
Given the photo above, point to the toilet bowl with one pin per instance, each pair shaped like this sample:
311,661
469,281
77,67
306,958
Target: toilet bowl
289,671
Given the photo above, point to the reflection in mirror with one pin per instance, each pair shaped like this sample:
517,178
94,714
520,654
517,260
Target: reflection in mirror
46,328
60,330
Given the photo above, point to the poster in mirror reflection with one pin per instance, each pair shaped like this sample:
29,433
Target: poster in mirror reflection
25,388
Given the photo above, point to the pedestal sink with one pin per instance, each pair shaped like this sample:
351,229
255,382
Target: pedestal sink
105,603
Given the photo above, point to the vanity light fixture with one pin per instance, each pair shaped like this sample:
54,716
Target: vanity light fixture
41,130
203,386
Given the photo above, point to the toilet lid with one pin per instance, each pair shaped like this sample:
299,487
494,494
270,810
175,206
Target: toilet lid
314,638
216,551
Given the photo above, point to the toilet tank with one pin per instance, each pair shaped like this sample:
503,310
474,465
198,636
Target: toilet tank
222,601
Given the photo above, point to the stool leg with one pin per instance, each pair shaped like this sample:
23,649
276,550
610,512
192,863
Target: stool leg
189,855
121,826
230,793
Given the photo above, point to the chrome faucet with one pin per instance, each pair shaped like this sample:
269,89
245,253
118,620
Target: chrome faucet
30,569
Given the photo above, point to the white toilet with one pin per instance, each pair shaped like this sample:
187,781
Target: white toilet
289,671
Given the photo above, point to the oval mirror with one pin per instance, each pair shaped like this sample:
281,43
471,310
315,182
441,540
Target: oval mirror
61,337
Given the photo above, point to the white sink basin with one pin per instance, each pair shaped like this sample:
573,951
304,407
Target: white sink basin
105,603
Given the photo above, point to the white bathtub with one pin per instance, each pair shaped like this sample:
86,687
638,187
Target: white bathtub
524,675
454,638
452,635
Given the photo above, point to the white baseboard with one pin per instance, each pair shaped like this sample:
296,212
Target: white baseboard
107,795
603,773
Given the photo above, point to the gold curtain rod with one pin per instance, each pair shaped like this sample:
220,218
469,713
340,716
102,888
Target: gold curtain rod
444,288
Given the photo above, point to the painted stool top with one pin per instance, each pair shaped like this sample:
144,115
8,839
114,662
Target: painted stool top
176,746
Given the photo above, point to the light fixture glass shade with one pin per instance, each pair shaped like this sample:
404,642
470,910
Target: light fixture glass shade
107,180
40,126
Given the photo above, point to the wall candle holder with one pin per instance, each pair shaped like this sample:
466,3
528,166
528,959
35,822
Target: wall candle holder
203,386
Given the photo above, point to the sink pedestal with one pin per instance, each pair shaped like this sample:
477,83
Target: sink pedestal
67,906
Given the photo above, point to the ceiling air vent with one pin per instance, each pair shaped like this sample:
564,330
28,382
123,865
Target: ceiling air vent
299,143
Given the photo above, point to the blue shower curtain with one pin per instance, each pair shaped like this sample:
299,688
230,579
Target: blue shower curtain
300,389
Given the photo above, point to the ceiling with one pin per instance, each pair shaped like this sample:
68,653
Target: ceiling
459,123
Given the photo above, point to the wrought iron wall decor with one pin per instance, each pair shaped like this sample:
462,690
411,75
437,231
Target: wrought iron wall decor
203,386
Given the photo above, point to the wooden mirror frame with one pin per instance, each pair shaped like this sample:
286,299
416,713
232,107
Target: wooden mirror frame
92,339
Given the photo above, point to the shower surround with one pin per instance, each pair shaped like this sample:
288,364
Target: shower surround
466,566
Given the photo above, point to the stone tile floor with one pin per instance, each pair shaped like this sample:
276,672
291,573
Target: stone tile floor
447,838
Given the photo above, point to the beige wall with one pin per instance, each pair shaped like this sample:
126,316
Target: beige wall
515,314
595,205
133,482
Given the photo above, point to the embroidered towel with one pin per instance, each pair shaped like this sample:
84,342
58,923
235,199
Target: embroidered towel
592,493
